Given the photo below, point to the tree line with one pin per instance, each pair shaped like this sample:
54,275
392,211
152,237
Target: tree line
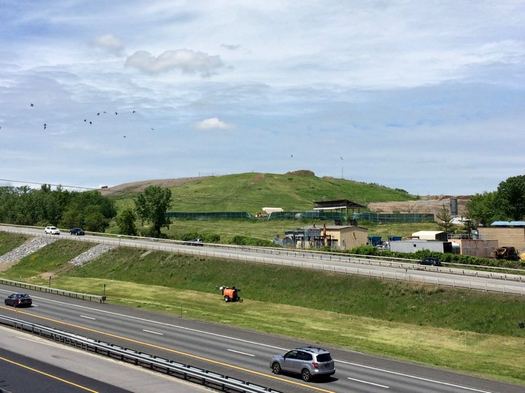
44,206
506,203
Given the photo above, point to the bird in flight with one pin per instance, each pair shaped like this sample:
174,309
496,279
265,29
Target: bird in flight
90,122
98,113
45,126
133,111
116,113
32,105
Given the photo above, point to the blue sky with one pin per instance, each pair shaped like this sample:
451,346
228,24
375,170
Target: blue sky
426,96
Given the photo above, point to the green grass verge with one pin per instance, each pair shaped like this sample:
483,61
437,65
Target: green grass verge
346,294
49,259
10,241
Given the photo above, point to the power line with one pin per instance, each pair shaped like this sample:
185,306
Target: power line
50,184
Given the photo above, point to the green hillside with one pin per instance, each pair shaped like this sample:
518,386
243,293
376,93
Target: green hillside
252,191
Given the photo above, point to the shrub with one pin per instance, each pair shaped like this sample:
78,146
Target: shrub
250,241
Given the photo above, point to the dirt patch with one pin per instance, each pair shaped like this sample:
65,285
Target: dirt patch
430,205
301,172
140,186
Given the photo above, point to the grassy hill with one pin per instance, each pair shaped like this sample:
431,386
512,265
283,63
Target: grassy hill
252,191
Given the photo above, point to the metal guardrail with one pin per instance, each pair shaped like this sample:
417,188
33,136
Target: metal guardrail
180,370
55,291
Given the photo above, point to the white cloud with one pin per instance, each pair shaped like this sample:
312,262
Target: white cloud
212,123
110,43
185,60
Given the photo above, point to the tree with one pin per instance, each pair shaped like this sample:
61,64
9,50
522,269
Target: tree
126,222
444,217
152,205
483,208
511,196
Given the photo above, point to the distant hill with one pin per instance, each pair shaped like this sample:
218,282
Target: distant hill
252,191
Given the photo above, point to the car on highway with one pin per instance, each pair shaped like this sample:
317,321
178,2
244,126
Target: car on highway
18,300
309,362
195,242
76,232
430,261
52,230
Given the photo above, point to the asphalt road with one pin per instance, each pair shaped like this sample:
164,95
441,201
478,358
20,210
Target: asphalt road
464,278
46,366
240,353
21,374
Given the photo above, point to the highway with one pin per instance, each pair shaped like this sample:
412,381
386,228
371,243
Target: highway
463,278
240,353
31,364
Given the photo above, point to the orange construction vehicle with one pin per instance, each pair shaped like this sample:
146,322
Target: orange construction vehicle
230,294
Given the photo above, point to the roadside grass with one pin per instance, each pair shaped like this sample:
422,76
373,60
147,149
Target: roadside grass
252,191
500,357
347,294
50,259
10,241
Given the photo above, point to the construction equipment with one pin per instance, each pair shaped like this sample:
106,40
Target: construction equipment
508,253
230,294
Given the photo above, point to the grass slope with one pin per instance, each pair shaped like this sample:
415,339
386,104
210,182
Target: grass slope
49,259
252,191
10,241
346,294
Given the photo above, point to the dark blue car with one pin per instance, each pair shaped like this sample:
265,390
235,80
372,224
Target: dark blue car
76,231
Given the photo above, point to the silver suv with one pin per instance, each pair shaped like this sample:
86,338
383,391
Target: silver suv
308,361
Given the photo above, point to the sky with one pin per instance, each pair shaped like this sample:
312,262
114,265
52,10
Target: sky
427,96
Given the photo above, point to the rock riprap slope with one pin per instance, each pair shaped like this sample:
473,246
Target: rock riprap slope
91,254
28,248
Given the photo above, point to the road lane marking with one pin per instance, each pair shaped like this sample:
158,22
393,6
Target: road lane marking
415,377
153,332
241,353
180,327
369,383
87,317
47,375
250,342
167,349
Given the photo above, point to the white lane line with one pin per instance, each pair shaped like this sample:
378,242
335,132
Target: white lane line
415,377
157,322
369,383
87,317
153,332
241,353
248,342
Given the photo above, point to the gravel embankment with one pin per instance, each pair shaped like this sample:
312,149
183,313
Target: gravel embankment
91,254
28,248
